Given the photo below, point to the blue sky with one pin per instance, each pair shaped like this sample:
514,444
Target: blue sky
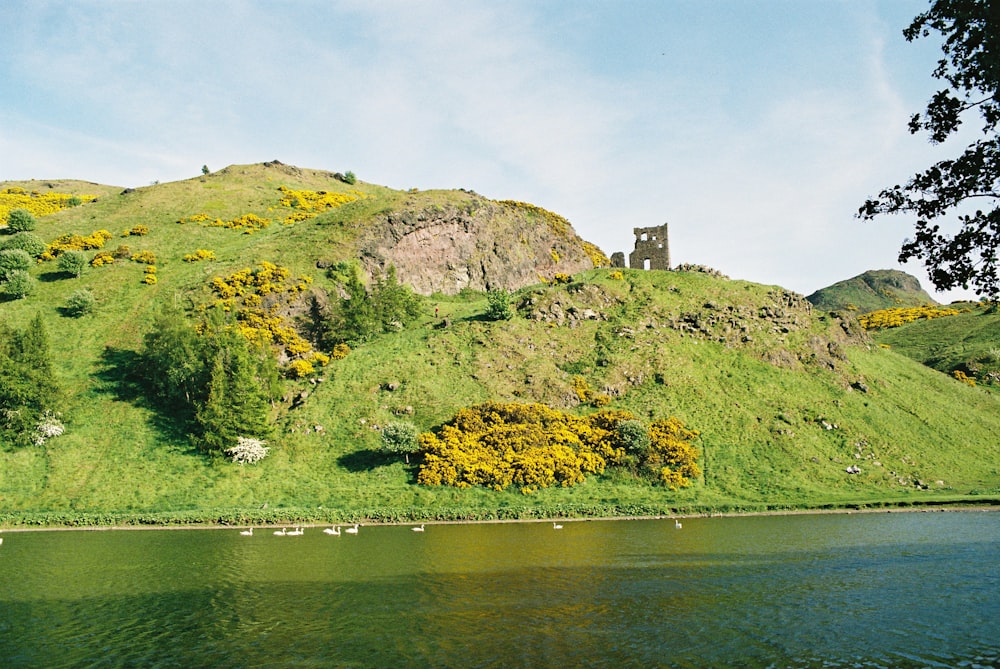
755,129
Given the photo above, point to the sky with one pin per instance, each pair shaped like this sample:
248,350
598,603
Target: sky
755,129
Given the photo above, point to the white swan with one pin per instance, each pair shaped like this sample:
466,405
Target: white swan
418,529
677,524
280,533
247,533
297,532
352,530
556,526
333,531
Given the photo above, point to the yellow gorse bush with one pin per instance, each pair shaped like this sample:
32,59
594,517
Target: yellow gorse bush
891,318
38,204
136,231
145,257
102,258
59,245
255,295
670,449
247,223
316,201
199,255
532,446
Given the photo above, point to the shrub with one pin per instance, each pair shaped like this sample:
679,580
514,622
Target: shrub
632,435
21,220
199,255
147,257
248,450
349,178
101,259
136,231
300,368
48,427
13,260
26,241
72,262
19,284
80,303
400,437
498,305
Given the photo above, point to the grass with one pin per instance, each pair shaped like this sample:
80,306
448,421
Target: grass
969,342
751,367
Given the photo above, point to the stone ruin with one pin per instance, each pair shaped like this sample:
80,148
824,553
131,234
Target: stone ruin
652,250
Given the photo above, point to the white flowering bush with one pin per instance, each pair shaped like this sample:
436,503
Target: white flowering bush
49,426
248,450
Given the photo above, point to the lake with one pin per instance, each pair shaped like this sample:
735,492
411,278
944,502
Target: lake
838,590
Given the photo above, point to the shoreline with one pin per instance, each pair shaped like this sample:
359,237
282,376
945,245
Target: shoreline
930,506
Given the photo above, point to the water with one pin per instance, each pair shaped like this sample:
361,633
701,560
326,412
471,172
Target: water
861,590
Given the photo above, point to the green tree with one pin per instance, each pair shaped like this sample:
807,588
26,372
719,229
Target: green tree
19,284
28,389
394,304
21,220
237,403
26,241
13,260
400,437
175,360
970,69
72,262
80,303
498,305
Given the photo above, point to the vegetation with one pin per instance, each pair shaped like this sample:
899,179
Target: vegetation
969,70
29,394
965,346
871,291
159,384
21,220
893,318
401,437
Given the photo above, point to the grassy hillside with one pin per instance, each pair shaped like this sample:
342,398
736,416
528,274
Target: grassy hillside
968,342
785,398
871,291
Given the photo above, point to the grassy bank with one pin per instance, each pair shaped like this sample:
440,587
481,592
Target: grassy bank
786,399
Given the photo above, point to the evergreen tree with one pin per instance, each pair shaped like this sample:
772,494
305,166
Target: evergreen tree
28,388
237,402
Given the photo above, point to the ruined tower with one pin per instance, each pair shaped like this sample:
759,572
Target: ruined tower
652,250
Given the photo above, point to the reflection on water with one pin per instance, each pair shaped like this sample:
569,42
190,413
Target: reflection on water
893,590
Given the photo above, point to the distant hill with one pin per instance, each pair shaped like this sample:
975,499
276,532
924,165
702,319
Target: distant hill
871,291
795,407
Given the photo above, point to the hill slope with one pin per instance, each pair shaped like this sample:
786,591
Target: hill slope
871,291
785,399
968,342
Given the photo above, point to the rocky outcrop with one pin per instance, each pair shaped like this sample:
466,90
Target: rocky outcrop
471,242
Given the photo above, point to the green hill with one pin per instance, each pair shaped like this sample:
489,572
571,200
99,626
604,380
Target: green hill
786,399
871,291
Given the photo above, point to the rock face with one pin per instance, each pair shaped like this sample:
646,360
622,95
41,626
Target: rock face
473,242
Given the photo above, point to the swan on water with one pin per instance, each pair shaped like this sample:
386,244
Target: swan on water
677,524
352,530
247,533
280,533
297,532
333,531
418,529
556,526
